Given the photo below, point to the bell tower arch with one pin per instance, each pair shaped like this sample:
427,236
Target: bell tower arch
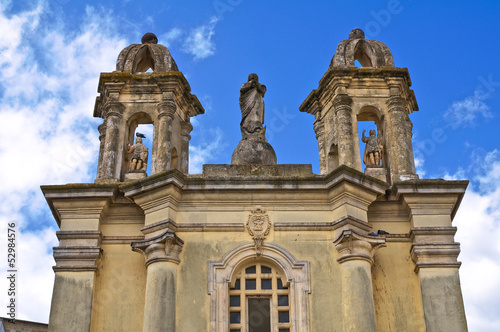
377,92
131,96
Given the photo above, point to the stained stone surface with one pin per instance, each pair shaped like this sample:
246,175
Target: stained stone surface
253,151
281,170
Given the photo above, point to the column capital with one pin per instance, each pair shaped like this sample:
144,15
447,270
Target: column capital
164,247
354,246
342,100
113,108
166,108
395,103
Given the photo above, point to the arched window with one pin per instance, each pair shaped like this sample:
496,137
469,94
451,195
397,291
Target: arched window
252,292
259,298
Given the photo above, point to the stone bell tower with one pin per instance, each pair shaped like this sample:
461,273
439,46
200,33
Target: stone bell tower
131,96
377,92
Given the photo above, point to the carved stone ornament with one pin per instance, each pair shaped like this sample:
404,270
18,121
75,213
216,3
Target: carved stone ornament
258,226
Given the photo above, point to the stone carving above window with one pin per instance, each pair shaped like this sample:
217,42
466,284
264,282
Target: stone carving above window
258,226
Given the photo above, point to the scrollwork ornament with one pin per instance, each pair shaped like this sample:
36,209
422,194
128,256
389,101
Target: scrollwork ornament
258,226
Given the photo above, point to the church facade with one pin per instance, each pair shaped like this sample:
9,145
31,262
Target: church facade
255,245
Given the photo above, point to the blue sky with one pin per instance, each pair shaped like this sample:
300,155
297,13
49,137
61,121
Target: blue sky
52,51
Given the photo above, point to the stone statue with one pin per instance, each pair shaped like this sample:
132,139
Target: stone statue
252,107
373,148
138,155
253,149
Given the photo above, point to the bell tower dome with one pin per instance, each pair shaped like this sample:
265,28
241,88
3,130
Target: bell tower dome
133,95
377,92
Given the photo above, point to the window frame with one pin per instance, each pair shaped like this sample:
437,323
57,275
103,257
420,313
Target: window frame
294,272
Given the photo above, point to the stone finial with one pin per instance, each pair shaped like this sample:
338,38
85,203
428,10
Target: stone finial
370,53
357,34
149,38
138,58
253,147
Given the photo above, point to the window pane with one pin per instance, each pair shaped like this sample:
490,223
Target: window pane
281,330
234,301
251,269
265,269
234,317
250,284
259,315
236,284
266,284
238,330
282,300
283,317
280,284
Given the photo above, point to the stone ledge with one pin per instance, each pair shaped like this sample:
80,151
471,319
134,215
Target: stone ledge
280,170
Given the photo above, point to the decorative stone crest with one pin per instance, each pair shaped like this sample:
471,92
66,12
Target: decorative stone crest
258,226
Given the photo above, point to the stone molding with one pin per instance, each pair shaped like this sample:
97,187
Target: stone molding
354,246
434,247
77,258
296,272
161,243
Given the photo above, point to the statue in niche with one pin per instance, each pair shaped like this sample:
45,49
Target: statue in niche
373,149
138,155
252,107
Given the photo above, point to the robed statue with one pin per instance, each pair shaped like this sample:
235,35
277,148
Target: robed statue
252,107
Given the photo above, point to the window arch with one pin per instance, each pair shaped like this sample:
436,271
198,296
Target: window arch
273,268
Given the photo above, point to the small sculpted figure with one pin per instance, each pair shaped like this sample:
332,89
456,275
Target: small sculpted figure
252,107
373,148
138,156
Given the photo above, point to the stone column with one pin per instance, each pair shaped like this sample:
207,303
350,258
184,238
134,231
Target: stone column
102,135
166,111
186,129
343,112
162,258
435,255
356,258
319,129
401,154
110,156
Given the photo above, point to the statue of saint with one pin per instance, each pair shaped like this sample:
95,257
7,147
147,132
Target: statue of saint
138,155
252,107
373,148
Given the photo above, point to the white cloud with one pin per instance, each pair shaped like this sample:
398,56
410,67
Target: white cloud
478,223
49,85
199,42
204,152
466,111
170,36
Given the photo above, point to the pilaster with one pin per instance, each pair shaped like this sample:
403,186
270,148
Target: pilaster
161,249
356,258
78,211
432,205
